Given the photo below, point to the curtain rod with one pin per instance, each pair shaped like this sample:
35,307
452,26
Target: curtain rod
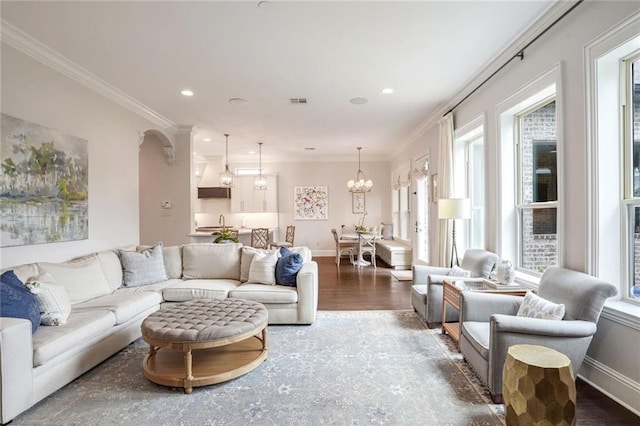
520,55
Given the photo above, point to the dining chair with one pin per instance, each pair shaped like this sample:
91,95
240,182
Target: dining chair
260,238
288,238
343,246
367,244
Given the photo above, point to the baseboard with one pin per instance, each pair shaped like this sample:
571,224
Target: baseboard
616,386
324,253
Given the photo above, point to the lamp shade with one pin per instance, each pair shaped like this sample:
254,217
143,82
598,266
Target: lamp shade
454,208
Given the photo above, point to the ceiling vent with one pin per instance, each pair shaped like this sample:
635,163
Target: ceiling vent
298,101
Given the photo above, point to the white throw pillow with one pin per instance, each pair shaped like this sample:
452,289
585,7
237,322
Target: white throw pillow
263,268
144,267
247,257
82,278
534,306
52,298
459,272
303,251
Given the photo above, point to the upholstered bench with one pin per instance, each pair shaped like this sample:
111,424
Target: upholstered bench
395,254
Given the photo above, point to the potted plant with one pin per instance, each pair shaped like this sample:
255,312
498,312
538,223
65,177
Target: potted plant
361,226
226,235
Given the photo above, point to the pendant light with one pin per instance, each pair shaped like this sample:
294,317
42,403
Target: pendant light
261,182
361,184
226,177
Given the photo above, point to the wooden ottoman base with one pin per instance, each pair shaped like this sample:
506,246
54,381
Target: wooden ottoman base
189,368
538,387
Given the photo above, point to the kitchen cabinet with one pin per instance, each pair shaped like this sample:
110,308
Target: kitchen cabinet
246,199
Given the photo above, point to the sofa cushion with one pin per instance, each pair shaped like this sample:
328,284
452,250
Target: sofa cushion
82,278
246,259
23,272
157,287
211,261
52,298
263,268
265,293
49,342
144,267
16,301
111,268
534,306
123,305
199,289
287,267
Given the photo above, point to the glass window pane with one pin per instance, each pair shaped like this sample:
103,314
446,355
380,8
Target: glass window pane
538,250
477,178
634,229
635,131
538,165
477,228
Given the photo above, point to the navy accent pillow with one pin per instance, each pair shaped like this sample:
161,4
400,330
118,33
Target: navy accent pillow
287,267
16,301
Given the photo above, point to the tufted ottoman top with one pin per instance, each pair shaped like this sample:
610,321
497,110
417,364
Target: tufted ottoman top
204,320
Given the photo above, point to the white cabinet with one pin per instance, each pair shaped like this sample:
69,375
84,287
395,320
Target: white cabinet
245,199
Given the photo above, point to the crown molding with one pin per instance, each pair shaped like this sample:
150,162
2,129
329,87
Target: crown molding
545,19
42,53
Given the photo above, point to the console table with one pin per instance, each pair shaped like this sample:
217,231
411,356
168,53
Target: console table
451,290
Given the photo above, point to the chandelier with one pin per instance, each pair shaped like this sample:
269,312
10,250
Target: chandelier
261,182
226,177
361,184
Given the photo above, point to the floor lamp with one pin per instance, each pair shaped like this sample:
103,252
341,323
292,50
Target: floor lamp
454,208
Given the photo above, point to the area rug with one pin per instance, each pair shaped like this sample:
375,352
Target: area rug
373,367
402,275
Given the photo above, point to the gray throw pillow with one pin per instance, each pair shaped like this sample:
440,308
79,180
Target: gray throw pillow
387,231
144,267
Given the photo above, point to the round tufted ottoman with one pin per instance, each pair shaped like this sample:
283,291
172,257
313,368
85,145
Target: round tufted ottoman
223,335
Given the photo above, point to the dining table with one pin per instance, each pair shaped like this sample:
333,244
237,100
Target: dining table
363,238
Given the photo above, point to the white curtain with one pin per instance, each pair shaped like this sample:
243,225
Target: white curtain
420,169
445,186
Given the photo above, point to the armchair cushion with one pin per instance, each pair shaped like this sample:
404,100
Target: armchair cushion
479,262
537,307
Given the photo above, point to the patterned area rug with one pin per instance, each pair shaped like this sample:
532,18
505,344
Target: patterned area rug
368,367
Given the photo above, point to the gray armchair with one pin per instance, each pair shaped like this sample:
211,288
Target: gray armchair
426,292
489,326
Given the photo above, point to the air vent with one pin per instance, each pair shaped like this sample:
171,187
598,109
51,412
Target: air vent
298,101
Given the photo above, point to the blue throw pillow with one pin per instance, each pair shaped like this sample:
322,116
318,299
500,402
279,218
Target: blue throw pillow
16,301
287,267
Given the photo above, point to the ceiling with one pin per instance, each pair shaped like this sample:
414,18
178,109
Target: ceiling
269,52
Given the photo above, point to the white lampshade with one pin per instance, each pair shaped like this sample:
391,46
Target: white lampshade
454,208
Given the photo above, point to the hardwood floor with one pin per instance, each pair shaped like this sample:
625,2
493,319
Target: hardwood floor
348,288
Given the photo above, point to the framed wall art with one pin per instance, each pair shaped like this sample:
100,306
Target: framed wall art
358,201
44,185
310,203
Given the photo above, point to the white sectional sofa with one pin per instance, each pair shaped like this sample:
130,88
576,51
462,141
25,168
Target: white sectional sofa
105,316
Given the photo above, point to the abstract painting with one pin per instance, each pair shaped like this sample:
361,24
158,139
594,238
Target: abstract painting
310,203
44,185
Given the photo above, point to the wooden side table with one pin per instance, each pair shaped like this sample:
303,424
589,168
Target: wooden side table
451,290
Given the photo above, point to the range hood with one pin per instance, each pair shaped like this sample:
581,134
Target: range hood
214,192
208,187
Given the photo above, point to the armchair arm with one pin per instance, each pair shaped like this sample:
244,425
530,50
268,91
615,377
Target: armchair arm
421,272
542,327
475,306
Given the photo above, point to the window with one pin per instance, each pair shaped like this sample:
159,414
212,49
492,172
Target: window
631,173
469,182
400,206
529,177
538,190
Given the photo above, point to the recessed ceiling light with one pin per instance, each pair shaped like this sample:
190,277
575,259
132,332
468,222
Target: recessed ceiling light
238,101
207,139
187,92
387,91
358,101
251,152
309,148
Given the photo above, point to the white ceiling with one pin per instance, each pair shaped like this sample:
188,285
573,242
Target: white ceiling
327,52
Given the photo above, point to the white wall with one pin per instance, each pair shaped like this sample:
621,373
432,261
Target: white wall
33,92
609,365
